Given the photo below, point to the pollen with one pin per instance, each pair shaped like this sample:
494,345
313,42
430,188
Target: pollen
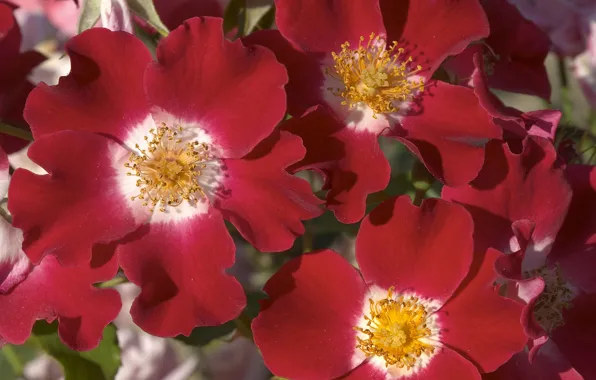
168,169
555,298
374,74
395,330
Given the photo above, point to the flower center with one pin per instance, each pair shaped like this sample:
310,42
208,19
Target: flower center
395,328
372,75
555,298
168,169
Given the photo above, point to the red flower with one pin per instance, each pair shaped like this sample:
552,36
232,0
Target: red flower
422,308
49,291
370,63
513,54
523,203
14,68
177,145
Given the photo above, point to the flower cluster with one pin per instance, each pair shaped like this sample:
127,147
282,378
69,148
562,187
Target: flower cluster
159,157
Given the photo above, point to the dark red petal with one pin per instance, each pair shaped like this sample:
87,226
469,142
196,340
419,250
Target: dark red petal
264,202
174,13
513,187
549,364
518,50
103,92
576,339
576,241
479,323
305,327
447,365
4,175
52,291
180,268
75,206
304,70
235,94
322,26
351,161
448,131
426,249
434,29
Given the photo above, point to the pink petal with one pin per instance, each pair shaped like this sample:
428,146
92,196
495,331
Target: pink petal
322,26
305,327
481,324
434,29
264,202
180,268
52,291
352,161
114,15
576,241
448,131
103,93
513,187
304,70
235,94
77,205
426,249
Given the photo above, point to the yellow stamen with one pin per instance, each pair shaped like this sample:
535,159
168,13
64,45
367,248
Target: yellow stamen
396,327
168,169
373,74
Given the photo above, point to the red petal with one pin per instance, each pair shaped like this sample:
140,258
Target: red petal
304,70
180,268
576,339
52,291
549,364
235,94
512,187
479,323
435,29
576,241
366,371
264,202
322,26
426,249
352,162
448,132
75,206
103,92
305,327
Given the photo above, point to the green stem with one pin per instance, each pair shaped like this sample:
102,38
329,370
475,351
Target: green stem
419,196
113,282
13,359
16,132
243,326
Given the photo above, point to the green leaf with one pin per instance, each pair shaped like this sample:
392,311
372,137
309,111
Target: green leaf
101,363
89,14
146,10
255,11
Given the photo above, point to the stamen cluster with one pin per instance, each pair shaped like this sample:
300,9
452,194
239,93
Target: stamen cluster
168,170
374,74
395,329
555,298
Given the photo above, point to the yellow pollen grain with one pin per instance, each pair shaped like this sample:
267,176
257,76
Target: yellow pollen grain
373,74
168,169
395,328
555,298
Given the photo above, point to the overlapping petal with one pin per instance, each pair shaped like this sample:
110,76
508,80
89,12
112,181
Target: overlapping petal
237,99
101,94
402,245
305,328
76,205
180,268
259,181
351,161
